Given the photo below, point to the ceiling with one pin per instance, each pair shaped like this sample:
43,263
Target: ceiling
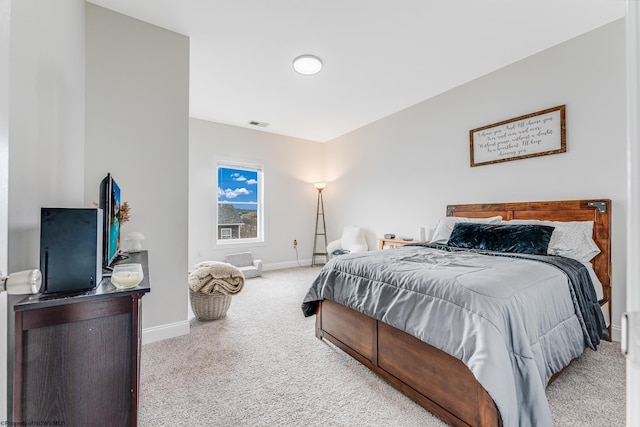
380,56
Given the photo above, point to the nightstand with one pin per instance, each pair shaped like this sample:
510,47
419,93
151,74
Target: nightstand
396,243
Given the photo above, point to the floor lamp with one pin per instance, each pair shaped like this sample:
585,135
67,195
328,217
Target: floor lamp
323,231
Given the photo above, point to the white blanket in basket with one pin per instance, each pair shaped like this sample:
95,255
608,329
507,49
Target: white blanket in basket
213,276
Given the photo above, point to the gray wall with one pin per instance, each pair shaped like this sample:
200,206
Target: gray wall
137,128
399,173
45,124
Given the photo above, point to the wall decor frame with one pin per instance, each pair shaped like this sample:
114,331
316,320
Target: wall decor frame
533,135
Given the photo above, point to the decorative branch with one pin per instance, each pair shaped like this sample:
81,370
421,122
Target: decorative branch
125,212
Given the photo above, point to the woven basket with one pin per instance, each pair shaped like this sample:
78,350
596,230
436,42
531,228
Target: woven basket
209,307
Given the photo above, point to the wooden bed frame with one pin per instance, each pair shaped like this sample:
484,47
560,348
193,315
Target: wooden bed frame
437,381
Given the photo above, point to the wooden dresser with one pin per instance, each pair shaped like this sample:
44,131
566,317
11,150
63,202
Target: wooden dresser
77,356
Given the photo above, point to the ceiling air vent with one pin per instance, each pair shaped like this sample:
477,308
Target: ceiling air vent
256,123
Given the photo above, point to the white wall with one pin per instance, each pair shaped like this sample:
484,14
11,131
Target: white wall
399,173
5,26
45,121
290,167
633,185
46,128
137,128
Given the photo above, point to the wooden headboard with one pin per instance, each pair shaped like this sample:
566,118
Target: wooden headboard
597,210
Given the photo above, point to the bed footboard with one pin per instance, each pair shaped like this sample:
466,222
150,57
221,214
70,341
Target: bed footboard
439,382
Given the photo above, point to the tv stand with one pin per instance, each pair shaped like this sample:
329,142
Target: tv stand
77,357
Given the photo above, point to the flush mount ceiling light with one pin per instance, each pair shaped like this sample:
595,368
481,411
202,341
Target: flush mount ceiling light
307,64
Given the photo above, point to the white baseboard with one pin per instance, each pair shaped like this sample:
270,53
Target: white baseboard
288,264
616,333
162,332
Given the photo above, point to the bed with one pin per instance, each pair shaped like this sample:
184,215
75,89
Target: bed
415,355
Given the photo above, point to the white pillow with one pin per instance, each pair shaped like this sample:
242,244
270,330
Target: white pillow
571,239
445,226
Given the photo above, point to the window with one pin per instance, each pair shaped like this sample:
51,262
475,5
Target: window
240,213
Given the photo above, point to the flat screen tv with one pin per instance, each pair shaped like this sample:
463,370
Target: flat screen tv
110,205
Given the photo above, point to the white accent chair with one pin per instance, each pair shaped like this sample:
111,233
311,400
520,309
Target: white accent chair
353,240
244,262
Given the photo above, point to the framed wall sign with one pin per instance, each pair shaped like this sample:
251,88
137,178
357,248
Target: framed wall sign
533,135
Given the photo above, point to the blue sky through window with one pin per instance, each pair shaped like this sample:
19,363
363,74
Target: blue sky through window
238,187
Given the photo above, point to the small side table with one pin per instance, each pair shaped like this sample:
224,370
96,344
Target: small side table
396,243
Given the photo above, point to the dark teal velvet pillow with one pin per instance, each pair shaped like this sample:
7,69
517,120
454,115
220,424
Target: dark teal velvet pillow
523,239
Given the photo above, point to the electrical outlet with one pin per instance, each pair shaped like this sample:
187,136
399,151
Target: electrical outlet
295,244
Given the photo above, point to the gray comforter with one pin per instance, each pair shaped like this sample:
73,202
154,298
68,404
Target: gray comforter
491,312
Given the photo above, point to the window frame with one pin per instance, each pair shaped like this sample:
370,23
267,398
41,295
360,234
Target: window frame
249,167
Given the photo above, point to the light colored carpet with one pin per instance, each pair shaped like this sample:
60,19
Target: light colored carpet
263,366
